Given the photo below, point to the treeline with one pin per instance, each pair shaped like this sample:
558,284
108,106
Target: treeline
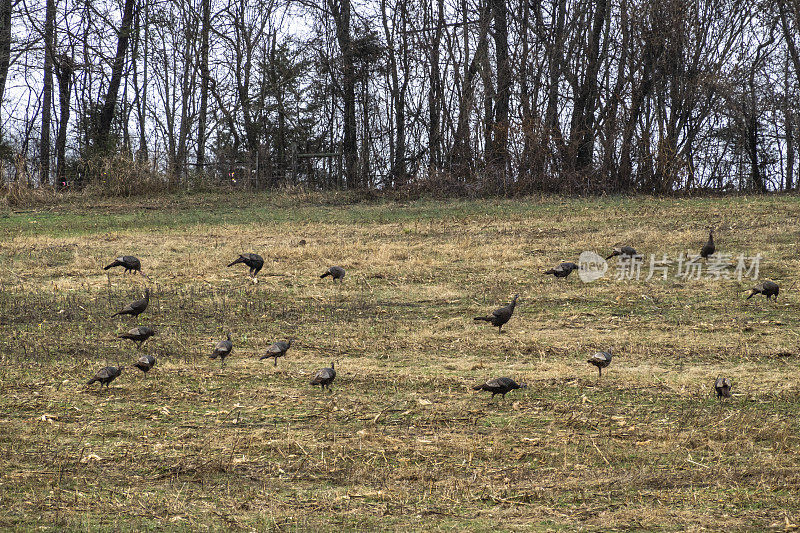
455,96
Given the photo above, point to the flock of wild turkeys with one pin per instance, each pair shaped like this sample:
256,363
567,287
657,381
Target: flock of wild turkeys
139,335
325,376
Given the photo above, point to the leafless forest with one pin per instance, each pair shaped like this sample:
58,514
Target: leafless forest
475,97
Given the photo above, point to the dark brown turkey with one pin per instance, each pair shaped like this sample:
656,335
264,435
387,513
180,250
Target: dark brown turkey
136,307
324,377
767,288
254,261
276,350
709,247
499,386
601,360
629,251
223,349
106,375
145,363
138,335
723,387
128,262
500,316
336,272
563,270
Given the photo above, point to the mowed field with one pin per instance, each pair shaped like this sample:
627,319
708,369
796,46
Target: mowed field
401,442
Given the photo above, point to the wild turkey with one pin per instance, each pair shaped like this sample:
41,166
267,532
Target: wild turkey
276,350
499,386
601,360
106,375
336,272
145,363
138,335
563,270
709,248
223,349
128,262
500,316
723,387
135,308
324,377
254,261
629,251
767,288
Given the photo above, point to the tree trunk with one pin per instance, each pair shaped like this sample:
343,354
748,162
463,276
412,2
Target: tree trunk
110,104
5,47
47,93
398,172
435,93
365,135
401,173
529,126
756,179
141,93
789,36
612,120
126,115
555,66
341,13
498,156
280,139
169,81
188,83
789,149
788,121
461,157
794,55
64,72
488,103
752,133
204,80
582,132
640,93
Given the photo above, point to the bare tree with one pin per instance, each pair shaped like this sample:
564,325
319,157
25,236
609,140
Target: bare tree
341,11
5,46
399,69
110,103
187,87
461,156
141,41
498,149
205,74
582,132
64,73
489,96
435,91
47,93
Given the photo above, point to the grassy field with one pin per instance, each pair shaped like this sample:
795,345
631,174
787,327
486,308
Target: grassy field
402,442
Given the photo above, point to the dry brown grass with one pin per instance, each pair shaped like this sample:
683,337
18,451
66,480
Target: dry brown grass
402,442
